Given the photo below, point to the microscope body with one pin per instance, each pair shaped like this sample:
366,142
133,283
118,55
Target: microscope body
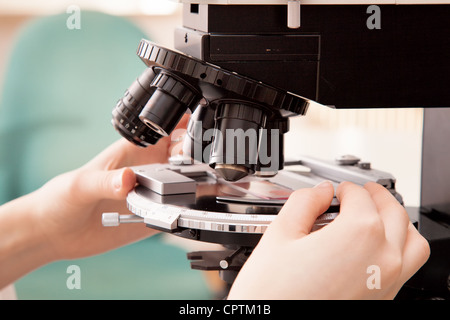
251,65
348,54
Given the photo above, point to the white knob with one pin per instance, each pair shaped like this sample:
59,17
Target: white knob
110,219
294,19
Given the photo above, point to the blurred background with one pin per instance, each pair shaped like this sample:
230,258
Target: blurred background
57,89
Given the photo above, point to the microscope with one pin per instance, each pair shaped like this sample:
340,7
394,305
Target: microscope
242,69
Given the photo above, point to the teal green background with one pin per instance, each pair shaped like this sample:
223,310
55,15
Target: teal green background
59,90
149,269
55,111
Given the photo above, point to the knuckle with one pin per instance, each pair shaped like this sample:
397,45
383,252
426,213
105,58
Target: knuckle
346,184
424,249
372,226
403,214
344,188
72,182
397,209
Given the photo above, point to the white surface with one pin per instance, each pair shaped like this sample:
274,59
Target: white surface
334,2
117,7
390,139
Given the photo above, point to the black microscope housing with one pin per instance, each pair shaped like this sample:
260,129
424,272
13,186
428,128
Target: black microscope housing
241,66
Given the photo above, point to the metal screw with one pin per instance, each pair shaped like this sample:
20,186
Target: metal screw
364,165
193,233
347,160
225,263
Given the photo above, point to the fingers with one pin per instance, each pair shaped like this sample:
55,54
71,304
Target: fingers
123,153
298,215
183,122
177,137
415,253
178,131
176,146
374,203
355,202
392,213
91,186
411,247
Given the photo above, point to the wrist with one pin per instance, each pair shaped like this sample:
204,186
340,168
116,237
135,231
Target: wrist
23,245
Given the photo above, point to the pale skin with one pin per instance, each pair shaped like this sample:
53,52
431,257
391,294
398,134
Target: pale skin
62,220
331,263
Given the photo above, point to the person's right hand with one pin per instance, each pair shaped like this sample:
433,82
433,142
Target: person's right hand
368,252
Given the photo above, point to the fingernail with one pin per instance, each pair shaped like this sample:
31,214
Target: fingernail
324,184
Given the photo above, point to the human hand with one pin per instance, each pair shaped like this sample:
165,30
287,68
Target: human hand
372,229
68,208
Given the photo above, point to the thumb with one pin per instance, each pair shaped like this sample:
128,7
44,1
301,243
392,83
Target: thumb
299,213
93,186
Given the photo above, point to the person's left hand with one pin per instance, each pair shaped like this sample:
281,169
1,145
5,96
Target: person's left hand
68,209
